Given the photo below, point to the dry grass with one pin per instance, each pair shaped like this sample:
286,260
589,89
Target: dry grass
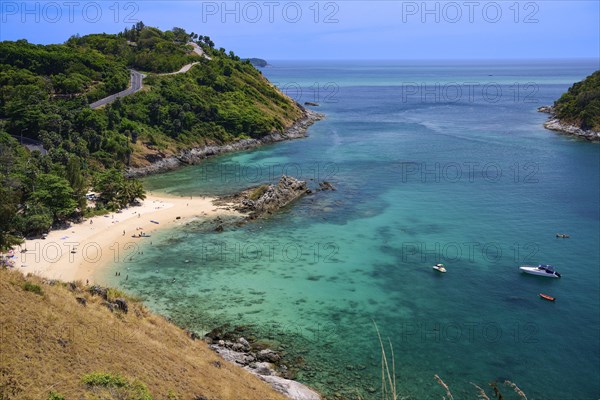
49,342
516,389
388,377
443,384
258,192
481,393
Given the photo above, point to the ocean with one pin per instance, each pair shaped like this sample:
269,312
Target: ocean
433,162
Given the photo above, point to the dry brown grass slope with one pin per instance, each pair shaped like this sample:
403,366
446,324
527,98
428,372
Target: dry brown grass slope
49,341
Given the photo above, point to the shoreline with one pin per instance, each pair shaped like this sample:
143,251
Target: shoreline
100,240
556,125
81,250
194,155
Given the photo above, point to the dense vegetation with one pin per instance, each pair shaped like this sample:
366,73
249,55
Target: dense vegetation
142,48
45,93
580,105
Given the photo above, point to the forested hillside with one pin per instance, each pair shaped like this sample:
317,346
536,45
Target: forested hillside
45,93
580,105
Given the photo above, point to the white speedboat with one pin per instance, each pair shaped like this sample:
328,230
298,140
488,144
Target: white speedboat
439,267
541,270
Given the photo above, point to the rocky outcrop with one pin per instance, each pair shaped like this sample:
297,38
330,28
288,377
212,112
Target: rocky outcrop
117,304
262,362
555,124
266,199
277,196
195,155
121,304
326,186
289,388
265,371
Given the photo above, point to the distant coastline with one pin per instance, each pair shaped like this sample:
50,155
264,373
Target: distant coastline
258,62
555,124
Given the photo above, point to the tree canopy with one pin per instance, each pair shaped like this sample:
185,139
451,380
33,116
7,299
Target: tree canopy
580,105
45,92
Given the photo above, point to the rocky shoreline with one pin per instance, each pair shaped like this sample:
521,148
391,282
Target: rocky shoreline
255,202
258,359
195,155
555,124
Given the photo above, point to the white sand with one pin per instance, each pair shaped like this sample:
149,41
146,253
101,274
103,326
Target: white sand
78,252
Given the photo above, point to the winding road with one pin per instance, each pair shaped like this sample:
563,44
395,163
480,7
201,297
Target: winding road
135,85
136,82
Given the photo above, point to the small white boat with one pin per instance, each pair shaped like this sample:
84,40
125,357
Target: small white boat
439,267
541,270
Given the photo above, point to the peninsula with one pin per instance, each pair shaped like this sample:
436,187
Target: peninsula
142,101
577,112
74,117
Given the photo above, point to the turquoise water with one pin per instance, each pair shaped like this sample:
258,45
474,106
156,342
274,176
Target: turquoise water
424,174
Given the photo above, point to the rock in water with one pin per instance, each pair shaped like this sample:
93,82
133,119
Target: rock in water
268,355
326,186
277,196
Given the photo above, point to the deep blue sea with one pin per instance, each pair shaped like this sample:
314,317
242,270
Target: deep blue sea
433,162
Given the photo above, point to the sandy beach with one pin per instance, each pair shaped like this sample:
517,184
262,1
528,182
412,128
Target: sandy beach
77,252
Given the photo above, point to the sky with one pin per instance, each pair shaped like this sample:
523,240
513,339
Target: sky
312,30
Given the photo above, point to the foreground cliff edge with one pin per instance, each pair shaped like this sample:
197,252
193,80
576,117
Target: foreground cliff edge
77,341
577,112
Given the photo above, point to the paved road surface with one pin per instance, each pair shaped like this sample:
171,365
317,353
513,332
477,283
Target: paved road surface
198,50
31,144
183,69
135,85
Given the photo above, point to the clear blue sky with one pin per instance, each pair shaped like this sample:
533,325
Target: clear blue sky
273,29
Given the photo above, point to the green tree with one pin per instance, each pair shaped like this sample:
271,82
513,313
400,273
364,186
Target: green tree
135,191
77,181
116,191
36,220
55,193
109,184
8,213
